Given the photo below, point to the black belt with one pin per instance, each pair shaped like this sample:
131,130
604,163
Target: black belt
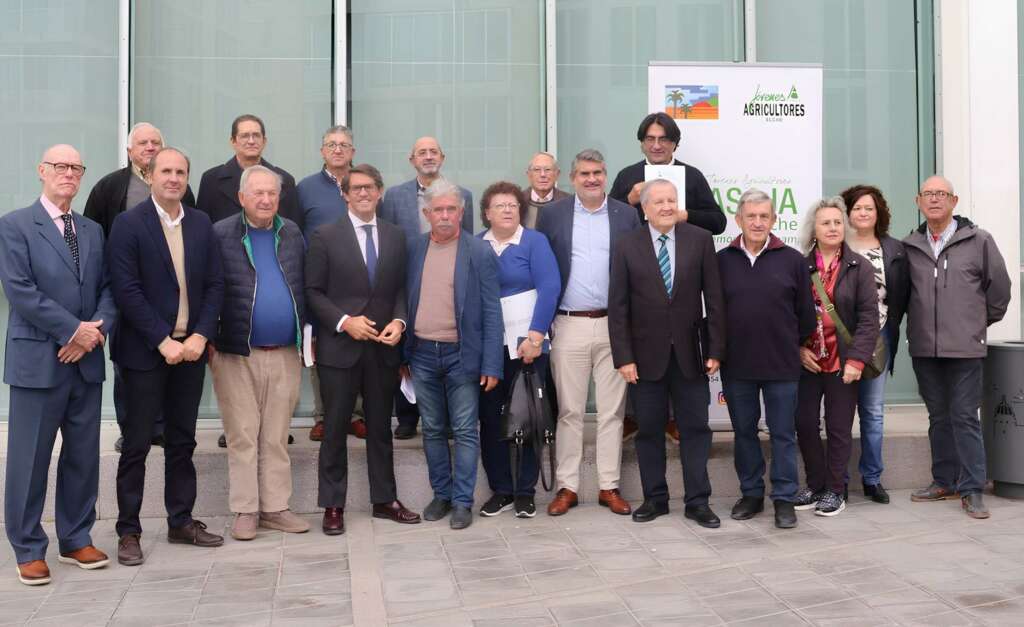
596,313
267,348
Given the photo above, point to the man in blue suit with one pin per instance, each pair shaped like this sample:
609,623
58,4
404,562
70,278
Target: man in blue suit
165,272
454,345
55,279
403,206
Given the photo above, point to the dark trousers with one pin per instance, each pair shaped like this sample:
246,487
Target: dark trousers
173,392
689,398
825,470
744,401
119,402
36,415
407,413
494,452
951,389
376,382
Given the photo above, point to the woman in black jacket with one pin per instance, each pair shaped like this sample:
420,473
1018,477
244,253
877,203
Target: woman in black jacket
869,220
831,368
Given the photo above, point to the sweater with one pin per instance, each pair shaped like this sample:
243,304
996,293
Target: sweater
531,265
769,311
320,201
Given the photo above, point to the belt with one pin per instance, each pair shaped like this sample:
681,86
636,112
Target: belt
267,348
596,313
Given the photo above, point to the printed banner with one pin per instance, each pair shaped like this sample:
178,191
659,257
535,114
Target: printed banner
746,125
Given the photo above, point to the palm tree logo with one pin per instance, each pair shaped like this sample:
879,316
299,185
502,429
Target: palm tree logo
675,97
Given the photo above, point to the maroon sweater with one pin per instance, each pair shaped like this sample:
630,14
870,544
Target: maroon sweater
769,311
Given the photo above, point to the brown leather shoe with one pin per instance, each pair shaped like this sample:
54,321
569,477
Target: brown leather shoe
34,573
87,557
629,428
614,501
317,432
358,428
395,511
194,533
672,431
565,499
334,521
129,552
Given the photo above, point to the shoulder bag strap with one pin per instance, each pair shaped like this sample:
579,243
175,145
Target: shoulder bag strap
830,309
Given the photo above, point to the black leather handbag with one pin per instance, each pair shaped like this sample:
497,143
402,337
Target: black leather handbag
526,418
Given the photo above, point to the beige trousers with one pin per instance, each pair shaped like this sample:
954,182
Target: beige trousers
579,348
257,396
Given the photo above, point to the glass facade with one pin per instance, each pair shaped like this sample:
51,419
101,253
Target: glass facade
471,72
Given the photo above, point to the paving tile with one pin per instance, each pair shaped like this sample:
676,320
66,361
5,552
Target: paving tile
493,568
585,606
664,600
458,553
552,560
1009,612
747,604
540,542
565,579
782,619
846,610
623,619
719,581
495,590
945,619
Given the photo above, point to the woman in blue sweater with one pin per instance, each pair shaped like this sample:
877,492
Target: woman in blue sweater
525,262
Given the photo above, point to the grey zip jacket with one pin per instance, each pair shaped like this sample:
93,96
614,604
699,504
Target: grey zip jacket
953,299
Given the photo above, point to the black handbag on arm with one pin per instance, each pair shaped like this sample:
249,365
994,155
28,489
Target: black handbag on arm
526,419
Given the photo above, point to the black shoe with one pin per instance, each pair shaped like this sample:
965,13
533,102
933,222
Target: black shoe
119,443
291,439
462,517
222,441
405,431
437,510
876,493
649,511
497,504
703,515
785,515
747,507
525,507
193,533
158,440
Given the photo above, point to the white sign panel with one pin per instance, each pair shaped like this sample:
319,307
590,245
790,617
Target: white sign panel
746,125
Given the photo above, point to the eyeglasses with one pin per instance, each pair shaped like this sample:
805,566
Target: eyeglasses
358,189
937,194
427,152
249,136
506,206
332,146
539,170
651,140
62,168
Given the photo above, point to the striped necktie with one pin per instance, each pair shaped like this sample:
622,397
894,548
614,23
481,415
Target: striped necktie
664,263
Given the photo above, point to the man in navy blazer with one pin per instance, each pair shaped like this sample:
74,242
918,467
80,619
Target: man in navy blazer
403,207
583,230
454,345
61,309
165,268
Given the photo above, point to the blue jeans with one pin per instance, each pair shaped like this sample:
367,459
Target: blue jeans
446,395
743,399
870,404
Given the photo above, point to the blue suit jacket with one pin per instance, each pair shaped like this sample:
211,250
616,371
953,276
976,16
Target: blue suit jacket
477,305
48,298
400,207
146,288
556,222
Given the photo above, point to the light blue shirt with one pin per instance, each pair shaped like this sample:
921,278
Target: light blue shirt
590,264
670,244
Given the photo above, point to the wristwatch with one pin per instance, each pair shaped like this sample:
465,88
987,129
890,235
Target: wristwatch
534,344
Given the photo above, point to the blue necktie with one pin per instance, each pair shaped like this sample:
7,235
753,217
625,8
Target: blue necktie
665,264
371,253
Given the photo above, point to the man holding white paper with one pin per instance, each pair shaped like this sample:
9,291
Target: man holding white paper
529,281
659,138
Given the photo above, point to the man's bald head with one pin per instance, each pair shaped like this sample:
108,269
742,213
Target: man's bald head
427,158
61,170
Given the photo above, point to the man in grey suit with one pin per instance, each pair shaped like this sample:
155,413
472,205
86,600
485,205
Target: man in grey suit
403,206
61,309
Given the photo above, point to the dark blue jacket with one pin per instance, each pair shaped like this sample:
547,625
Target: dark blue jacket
146,288
400,207
477,305
240,279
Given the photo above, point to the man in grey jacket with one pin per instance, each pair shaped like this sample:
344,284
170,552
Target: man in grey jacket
958,287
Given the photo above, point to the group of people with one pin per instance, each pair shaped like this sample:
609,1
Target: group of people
392,286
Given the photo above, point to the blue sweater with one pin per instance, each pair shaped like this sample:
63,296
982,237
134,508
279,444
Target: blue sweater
321,202
531,265
273,312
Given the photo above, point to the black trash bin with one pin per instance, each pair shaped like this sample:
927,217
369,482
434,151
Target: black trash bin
1002,417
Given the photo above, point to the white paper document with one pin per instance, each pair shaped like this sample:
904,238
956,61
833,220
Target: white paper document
517,311
674,173
307,345
407,390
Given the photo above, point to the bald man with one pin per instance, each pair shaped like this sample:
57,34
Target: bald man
542,174
402,206
60,311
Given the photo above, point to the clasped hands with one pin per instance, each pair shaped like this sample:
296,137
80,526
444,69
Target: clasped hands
362,328
87,337
189,349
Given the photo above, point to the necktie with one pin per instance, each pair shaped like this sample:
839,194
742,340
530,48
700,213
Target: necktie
371,253
665,264
71,239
